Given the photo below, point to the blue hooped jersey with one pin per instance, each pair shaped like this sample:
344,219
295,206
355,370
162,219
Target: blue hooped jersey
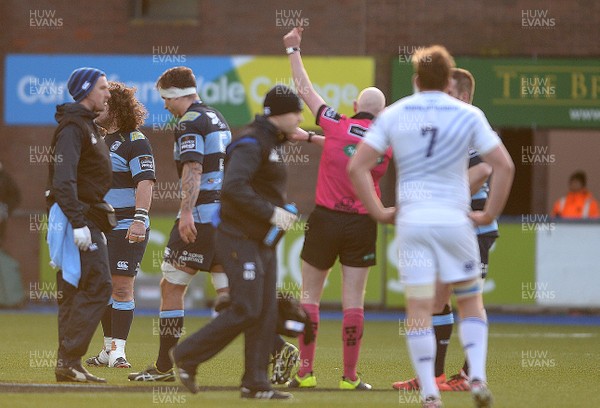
202,135
480,197
132,161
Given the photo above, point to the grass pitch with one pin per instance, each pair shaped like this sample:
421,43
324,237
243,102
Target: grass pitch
528,366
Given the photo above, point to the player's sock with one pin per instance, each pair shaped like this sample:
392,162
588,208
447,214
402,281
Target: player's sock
106,321
352,331
278,344
421,347
474,337
171,324
122,317
307,351
442,326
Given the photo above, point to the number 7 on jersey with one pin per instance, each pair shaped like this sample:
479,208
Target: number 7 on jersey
433,131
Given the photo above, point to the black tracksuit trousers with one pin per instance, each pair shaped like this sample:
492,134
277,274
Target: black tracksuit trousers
252,271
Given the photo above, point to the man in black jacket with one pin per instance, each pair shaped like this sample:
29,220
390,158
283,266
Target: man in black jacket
80,176
252,201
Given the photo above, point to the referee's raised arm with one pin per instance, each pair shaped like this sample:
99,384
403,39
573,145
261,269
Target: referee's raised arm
304,87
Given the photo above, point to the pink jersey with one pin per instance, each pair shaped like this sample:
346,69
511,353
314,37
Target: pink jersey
342,134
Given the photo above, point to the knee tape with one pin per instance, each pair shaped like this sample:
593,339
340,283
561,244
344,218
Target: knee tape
174,275
466,289
219,280
426,291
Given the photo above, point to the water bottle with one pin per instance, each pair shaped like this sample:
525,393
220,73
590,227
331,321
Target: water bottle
275,233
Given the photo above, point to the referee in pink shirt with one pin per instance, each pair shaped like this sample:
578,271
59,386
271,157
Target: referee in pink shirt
339,226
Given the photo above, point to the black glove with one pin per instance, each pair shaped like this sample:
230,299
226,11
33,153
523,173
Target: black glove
292,320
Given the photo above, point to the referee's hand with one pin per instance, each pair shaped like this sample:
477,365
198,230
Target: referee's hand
187,229
293,38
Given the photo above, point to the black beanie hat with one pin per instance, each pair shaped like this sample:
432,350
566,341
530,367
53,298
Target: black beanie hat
281,100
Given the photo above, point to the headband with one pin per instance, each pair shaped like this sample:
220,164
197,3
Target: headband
173,92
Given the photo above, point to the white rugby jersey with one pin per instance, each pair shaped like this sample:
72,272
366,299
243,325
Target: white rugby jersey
430,134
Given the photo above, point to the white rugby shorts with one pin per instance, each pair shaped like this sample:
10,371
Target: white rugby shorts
428,250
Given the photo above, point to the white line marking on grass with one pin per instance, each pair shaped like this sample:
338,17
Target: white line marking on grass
546,335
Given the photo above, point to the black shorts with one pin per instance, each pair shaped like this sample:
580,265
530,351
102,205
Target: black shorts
330,234
199,255
485,243
124,258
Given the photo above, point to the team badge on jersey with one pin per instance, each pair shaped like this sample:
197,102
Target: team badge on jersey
190,116
136,136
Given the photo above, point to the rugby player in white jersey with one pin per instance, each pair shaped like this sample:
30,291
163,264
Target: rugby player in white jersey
430,134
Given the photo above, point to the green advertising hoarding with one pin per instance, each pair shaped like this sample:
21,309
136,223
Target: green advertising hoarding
521,92
512,263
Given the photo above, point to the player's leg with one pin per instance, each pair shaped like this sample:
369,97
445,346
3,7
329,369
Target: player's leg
123,306
220,283
473,329
173,287
116,253
461,255
417,263
485,241
179,266
442,321
460,381
128,257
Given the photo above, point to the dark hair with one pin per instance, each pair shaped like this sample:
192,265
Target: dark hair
178,77
432,65
579,175
124,110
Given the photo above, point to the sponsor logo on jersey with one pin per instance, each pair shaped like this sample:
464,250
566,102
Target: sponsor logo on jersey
122,265
331,114
146,162
115,146
357,130
190,116
187,143
136,136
